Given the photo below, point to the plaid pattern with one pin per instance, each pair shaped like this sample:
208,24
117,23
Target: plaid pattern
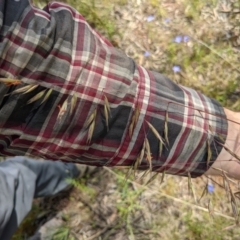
56,49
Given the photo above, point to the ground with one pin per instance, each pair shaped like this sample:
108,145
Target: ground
195,43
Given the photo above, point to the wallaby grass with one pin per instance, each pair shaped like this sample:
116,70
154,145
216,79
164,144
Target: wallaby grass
195,43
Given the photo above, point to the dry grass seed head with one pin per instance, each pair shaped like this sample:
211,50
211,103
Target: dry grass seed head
160,149
37,97
73,103
91,125
106,102
157,135
91,118
47,95
166,128
134,120
148,153
23,90
139,158
106,116
10,82
106,111
155,132
32,88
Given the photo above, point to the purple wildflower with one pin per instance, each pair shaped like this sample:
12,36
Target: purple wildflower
186,38
210,188
178,39
147,54
150,18
176,68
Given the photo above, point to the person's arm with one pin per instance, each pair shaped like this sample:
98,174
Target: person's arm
86,101
226,161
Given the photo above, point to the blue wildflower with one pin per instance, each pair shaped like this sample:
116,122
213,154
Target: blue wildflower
150,18
147,54
176,68
186,38
210,188
178,39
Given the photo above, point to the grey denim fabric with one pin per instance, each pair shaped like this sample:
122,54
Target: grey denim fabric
21,180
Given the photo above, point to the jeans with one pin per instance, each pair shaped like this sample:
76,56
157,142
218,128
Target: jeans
21,180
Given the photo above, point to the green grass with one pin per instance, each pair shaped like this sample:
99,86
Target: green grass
128,202
208,62
207,228
80,184
63,233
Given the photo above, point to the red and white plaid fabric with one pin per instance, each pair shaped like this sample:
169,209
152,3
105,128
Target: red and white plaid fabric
56,49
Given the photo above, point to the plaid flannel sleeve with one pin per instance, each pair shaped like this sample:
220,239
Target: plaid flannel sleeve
79,99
